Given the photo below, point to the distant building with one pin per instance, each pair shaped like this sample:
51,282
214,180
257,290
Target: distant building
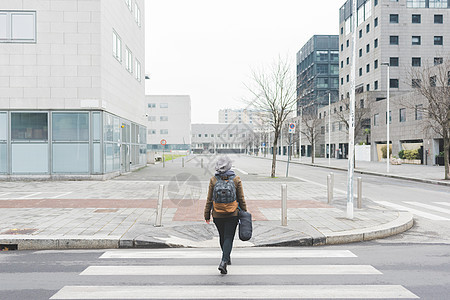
72,98
169,119
242,116
318,71
223,138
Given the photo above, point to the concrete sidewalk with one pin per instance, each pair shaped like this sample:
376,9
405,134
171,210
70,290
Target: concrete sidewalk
121,212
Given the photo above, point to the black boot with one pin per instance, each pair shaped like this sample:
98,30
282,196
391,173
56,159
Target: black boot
223,267
229,262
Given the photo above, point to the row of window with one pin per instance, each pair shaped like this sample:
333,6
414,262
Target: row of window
162,131
117,53
161,118
427,3
136,10
417,40
17,26
416,19
223,135
418,115
161,105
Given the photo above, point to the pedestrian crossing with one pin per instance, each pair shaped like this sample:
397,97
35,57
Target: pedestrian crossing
421,209
167,276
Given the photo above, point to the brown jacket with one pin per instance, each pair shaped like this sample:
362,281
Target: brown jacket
209,201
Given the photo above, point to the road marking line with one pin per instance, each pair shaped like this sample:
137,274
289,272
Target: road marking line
443,203
242,171
61,195
30,195
175,253
235,292
435,208
233,270
319,184
414,211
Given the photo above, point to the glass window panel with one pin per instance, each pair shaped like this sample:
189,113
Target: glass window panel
108,128
71,158
116,149
23,158
321,69
3,158
109,158
23,26
3,23
116,129
70,126
334,55
96,158
368,9
96,126
334,70
322,55
3,127
29,126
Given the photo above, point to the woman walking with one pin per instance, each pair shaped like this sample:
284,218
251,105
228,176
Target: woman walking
225,194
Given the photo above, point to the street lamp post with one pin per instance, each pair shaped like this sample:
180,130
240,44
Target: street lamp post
387,116
329,129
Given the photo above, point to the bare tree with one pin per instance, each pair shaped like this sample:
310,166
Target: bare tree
310,126
362,118
274,92
432,84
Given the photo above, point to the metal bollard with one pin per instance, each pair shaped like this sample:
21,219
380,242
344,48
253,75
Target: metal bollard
284,205
329,189
359,182
201,163
332,185
164,161
182,162
158,221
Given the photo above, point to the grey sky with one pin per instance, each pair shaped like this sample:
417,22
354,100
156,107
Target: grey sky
206,48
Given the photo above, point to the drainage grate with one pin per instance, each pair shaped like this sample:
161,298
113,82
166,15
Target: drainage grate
106,210
20,231
8,247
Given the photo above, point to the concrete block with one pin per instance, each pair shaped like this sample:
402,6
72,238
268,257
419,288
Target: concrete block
88,49
77,60
75,16
89,28
88,70
12,71
78,82
29,82
36,92
4,82
64,5
64,49
64,71
36,71
23,59
89,5
47,103
23,103
36,4
4,59
77,38
64,27
51,38
64,92
11,92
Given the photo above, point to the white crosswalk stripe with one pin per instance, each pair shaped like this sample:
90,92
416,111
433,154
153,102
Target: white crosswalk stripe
413,210
166,267
443,203
431,207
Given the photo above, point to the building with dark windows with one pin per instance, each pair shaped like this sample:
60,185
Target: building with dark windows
407,35
72,95
318,71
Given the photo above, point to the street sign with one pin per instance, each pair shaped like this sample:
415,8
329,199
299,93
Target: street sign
263,144
292,128
163,142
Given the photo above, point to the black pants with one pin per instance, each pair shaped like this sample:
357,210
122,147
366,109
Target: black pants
227,230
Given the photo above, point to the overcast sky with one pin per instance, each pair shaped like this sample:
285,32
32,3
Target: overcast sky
206,48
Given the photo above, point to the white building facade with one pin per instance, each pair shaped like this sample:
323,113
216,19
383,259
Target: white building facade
169,120
72,95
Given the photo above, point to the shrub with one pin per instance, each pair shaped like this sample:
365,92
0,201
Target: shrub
411,154
401,154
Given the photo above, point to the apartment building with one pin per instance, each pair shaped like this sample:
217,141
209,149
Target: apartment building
168,119
72,96
242,116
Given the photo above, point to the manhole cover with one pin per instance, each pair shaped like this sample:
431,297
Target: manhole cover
20,231
106,210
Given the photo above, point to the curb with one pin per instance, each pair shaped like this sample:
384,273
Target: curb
430,181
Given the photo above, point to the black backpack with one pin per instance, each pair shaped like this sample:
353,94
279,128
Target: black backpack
224,195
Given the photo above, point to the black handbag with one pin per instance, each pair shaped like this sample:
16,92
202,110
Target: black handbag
245,225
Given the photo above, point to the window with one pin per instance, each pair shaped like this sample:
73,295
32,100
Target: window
393,61
437,3
117,46
164,105
416,62
361,103
129,4
342,47
70,127
322,129
393,39
375,43
367,48
360,52
348,43
29,126
342,81
334,69
367,28
367,68
322,82
438,19
17,26
164,118
438,61
375,85
322,69
137,14
375,119
375,3
334,56
348,60
393,18
390,117
393,83
433,80
342,30
138,70
151,131
164,131
416,19
128,60
360,71
151,118
416,40
348,78
342,64
360,33
151,105
321,55
375,22
415,83
439,40
375,64
419,112
402,115
368,87
415,3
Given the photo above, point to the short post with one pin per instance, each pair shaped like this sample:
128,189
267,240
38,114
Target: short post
201,163
172,157
329,189
332,185
359,182
284,204
158,221
182,162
